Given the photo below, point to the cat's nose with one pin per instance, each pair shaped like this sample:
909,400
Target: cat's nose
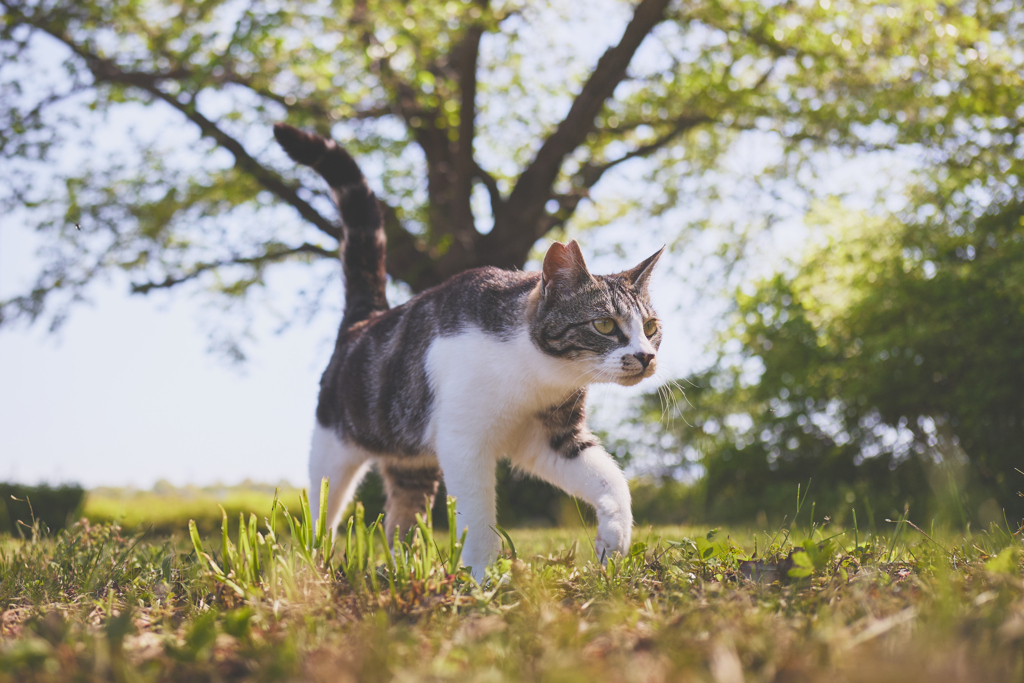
644,358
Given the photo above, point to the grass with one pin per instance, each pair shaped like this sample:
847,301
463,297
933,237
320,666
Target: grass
165,510
276,601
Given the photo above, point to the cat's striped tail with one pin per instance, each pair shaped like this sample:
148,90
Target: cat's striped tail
363,248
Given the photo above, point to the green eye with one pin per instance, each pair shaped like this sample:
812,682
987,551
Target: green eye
650,327
604,325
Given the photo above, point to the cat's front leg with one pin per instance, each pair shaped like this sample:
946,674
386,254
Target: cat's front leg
469,477
585,470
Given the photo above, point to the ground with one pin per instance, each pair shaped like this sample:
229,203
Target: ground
798,603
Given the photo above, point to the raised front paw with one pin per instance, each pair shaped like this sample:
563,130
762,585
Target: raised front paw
613,536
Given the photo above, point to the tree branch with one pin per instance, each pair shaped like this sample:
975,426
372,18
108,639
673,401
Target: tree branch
591,173
106,70
429,135
497,201
465,57
198,269
408,258
514,231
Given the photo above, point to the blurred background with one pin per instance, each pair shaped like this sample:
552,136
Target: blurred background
838,184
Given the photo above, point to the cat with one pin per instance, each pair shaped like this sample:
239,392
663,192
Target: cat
487,365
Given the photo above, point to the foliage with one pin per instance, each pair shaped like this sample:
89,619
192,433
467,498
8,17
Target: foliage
486,124
888,370
883,361
811,602
22,506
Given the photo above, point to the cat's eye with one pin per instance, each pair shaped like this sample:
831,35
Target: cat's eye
650,327
604,325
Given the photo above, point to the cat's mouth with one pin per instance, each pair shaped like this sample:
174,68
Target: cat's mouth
632,379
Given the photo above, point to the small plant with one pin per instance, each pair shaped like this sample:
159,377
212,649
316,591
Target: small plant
263,564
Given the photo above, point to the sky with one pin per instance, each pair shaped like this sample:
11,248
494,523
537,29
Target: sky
127,394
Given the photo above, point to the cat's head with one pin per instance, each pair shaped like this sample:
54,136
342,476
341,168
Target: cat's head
605,324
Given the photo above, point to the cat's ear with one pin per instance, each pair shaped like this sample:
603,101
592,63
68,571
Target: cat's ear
640,274
564,267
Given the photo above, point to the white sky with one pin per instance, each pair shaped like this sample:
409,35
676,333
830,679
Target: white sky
126,394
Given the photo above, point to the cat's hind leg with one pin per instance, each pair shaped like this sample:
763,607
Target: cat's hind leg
576,463
410,489
343,463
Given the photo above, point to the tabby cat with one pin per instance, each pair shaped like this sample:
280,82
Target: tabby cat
488,365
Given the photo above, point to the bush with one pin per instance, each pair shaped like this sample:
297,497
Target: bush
665,501
56,507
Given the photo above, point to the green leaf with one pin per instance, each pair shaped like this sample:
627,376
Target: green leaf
1006,562
802,565
707,549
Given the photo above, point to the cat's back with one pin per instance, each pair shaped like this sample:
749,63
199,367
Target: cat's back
489,298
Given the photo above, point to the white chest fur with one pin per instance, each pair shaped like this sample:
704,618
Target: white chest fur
491,388
487,395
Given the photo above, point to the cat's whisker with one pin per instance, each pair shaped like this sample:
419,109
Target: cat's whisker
575,381
666,406
682,392
669,403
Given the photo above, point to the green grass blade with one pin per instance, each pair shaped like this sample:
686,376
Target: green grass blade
193,532
230,554
254,537
306,523
428,550
244,573
360,536
455,544
321,527
272,522
504,534
371,534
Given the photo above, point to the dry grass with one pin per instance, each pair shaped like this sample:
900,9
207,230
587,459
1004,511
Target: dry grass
95,604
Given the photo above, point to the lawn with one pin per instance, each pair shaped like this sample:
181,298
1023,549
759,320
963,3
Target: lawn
798,603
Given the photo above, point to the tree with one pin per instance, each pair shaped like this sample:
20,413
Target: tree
884,362
447,102
889,366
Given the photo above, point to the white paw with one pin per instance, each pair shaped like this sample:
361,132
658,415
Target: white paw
478,571
613,536
478,556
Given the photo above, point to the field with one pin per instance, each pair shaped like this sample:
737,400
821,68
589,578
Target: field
804,602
